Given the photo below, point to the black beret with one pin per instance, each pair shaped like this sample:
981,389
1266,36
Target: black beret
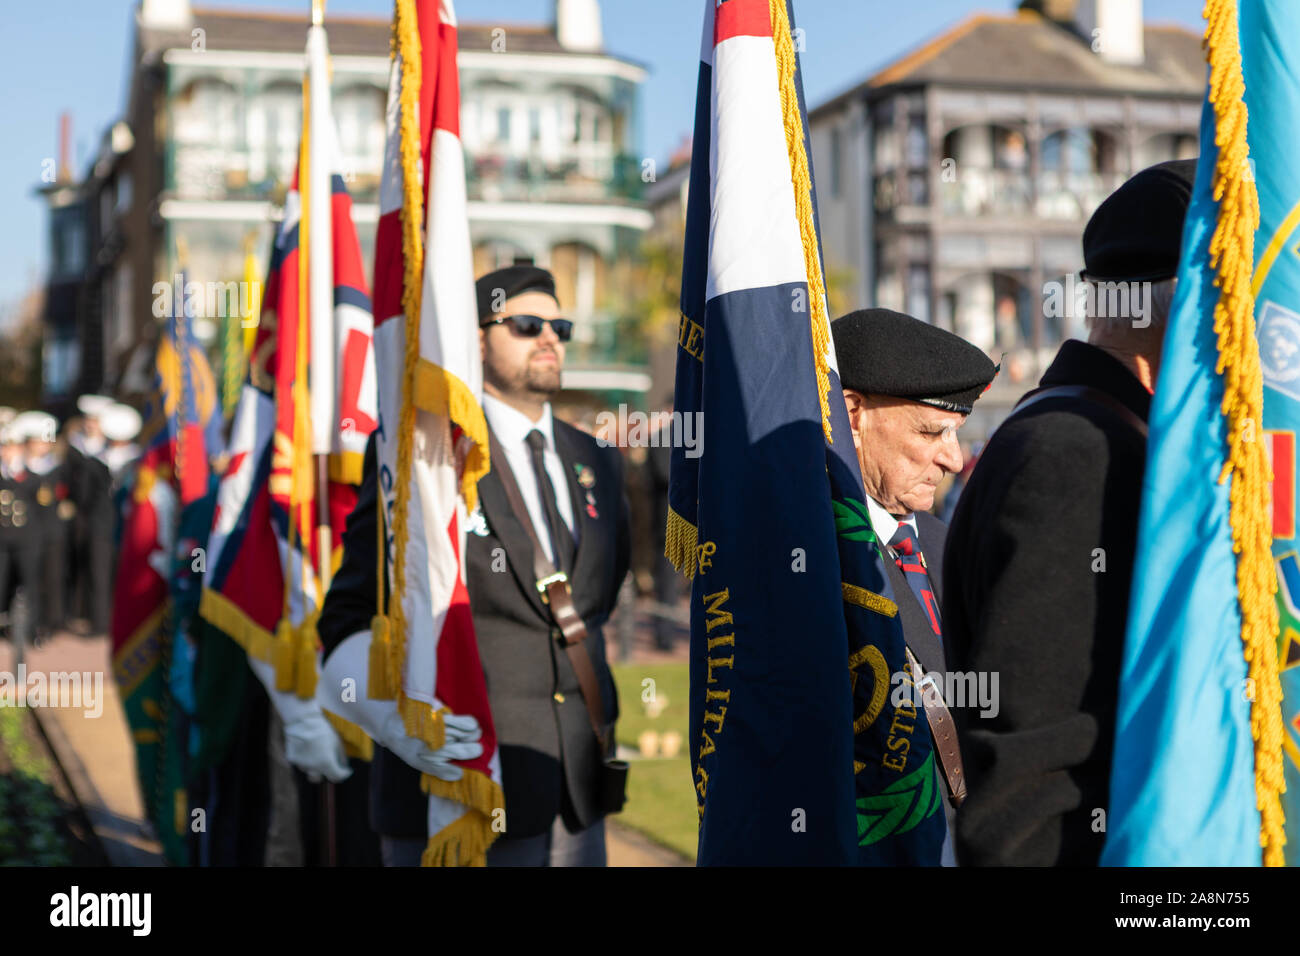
887,353
495,287
1136,235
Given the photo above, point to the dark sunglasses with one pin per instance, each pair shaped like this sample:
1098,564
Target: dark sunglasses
530,326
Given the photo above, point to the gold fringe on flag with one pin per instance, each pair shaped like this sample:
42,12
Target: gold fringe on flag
801,176
1232,248
464,842
422,721
440,392
229,618
680,541
868,599
355,741
407,41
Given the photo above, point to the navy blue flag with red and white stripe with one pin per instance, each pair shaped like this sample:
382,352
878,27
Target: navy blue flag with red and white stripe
798,753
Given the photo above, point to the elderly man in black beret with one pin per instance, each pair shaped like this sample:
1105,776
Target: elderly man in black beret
553,504
1041,549
909,386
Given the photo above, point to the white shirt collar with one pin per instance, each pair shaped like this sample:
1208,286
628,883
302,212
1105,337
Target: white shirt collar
42,465
512,426
884,524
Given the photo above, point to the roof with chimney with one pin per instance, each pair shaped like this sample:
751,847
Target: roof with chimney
1026,51
350,35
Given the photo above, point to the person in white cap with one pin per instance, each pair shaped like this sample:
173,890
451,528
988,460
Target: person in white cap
89,437
54,511
90,551
19,537
120,424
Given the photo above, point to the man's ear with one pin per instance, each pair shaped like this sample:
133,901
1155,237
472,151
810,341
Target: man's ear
856,407
482,344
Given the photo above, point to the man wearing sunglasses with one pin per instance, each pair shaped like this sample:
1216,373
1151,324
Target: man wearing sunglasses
553,766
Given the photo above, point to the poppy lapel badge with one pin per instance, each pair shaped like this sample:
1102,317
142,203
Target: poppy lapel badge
587,479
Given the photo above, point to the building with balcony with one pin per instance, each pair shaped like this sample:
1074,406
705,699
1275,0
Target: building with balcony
69,244
956,182
548,121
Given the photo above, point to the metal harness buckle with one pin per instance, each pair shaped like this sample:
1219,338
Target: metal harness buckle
550,579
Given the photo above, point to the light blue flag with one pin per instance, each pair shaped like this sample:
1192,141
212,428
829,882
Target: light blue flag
1182,787
1270,45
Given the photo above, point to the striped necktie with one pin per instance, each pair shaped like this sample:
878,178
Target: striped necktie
911,562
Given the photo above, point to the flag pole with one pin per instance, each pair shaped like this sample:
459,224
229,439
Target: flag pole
179,321
321,378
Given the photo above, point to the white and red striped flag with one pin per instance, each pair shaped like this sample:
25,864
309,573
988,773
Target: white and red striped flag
432,436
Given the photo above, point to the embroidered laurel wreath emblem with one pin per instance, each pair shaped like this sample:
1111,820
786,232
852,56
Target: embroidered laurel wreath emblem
900,806
852,521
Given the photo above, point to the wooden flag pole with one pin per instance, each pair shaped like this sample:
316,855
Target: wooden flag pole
325,549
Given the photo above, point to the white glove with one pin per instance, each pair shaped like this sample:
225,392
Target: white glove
349,666
310,743
461,743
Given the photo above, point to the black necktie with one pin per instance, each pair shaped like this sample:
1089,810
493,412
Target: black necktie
561,537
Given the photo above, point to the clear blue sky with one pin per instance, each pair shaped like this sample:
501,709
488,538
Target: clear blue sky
73,55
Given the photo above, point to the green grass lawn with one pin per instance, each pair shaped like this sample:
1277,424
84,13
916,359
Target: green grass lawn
660,800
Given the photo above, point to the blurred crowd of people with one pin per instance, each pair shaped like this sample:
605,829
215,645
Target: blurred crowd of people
57,514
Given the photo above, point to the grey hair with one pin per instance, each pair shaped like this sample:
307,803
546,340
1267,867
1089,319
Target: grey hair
1119,306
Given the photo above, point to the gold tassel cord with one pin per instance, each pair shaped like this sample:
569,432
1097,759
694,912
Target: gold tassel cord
1231,255
232,365
305,683
252,282
283,654
801,176
381,648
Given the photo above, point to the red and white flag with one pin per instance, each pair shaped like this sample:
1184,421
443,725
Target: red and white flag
432,436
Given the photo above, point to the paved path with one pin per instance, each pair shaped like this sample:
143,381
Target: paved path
627,847
93,745
98,756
